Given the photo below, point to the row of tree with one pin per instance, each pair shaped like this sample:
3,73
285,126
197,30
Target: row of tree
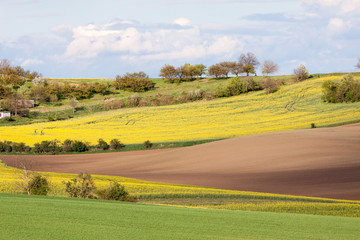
67,146
247,63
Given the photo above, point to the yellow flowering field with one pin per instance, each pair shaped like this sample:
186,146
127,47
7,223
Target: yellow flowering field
192,196
294,106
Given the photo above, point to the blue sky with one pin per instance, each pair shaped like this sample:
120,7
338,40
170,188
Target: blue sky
91,38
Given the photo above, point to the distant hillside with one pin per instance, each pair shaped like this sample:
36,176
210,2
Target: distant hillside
294,106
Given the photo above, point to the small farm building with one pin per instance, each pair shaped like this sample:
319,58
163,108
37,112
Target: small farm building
4,114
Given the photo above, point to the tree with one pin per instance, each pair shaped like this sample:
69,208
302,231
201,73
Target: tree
269,67
217,71
301,73
4,91
15,104
73,103
201,69
39,93
227,67
358,64
81,187
249,61
168,72
26,173
238,69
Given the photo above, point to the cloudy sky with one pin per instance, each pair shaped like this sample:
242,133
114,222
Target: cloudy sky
92,38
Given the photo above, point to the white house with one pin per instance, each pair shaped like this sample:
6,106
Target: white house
4,114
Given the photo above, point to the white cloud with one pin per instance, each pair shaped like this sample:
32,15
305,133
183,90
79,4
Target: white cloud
31,62
179,41
182,22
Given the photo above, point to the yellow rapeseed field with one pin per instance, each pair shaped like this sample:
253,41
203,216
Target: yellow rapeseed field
294,106
192,196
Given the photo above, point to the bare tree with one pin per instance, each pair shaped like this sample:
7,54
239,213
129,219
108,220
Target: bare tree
269,67
250,62
26,173
15,104
73,103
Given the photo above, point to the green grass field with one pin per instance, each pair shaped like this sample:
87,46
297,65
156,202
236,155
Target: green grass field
30,217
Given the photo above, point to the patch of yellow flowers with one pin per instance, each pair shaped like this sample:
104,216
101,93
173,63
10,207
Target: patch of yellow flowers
294,106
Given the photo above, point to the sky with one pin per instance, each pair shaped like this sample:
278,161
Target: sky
102,39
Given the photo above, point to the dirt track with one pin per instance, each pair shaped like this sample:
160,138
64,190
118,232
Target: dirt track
313,162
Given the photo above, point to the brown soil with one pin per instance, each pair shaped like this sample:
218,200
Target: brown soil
322,162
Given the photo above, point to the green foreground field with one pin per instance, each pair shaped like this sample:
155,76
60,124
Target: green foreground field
31,217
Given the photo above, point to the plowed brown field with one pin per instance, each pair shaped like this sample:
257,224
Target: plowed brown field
322,162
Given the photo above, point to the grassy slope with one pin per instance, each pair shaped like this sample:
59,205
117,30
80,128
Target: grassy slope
29,217
184,195
63,110
294,106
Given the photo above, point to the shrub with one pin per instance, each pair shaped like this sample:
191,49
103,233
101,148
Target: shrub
102,144
67,146
147,144
47,147
5,146
136,82
116,144
39,185
270,85
348,90
114,192
78,146
133,100
81,187
301,73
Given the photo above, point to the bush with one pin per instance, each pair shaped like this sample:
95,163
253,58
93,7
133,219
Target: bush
270,85
81,187
301,73
147,144
102,144
237,86
47,147
5,146
348,90
114,192
136,82
78,146
39,186
116,144
133,100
